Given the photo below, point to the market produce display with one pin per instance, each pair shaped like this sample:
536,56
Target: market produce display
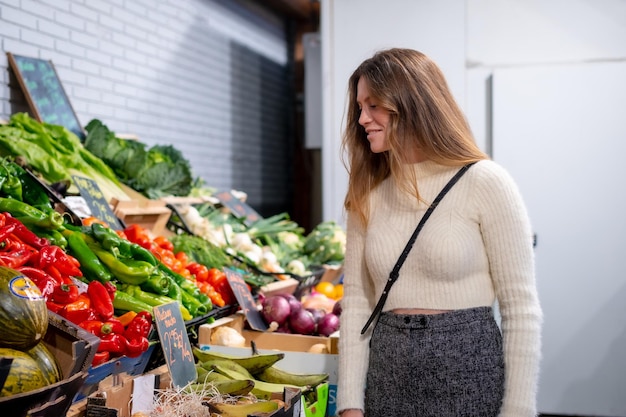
274,246
108,281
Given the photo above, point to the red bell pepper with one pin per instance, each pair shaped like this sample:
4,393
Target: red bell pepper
112,325
136,346
54,307
112,343
138,327
6,230
79,311
44,282
15,253
92,326
100,300
111,289
65,293
52,255
25,234
100,358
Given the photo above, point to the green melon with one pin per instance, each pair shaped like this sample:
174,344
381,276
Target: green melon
24,374
23,311
47,362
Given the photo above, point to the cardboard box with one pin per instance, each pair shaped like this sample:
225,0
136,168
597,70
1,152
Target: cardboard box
74,349
296,348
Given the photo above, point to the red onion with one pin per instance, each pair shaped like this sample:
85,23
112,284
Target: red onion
328,325
337,308
318,313
302,322
294,303
275,308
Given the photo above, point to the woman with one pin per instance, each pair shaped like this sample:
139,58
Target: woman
436,349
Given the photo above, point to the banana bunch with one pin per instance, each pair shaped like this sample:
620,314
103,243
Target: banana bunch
260,369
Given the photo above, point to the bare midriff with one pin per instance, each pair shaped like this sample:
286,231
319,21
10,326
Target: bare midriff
411,311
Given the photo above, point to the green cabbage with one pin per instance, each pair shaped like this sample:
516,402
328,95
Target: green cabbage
155,172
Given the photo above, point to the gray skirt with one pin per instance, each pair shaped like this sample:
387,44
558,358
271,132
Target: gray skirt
443,365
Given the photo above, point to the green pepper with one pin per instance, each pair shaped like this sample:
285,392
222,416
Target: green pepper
142,254
153,299
128,271
174,291
55,237
110,240
182,282
32,192
157,283
126,302
147,297
31,216
11,184
195,307
90,264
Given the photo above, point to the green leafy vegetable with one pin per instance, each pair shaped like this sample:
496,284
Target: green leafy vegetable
155,172
201,251
326,244
56,153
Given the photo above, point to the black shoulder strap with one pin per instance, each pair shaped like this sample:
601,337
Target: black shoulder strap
395,272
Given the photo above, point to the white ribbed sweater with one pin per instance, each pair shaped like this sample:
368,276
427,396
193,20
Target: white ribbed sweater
476,247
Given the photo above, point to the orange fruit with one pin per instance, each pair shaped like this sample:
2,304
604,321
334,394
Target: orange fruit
326,288
338,291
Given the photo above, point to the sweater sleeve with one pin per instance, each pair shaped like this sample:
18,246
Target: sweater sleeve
507,235
356,308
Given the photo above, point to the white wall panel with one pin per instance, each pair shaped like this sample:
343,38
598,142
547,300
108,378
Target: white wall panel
352,30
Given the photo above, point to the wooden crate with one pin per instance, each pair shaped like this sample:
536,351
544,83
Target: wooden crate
152,215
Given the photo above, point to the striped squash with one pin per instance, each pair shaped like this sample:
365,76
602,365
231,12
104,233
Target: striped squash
23,311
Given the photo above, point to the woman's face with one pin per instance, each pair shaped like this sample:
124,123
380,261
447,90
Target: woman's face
373,118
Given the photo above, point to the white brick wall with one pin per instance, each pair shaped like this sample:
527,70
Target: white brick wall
183,72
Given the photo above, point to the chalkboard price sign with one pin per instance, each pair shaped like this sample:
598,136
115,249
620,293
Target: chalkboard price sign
238,207
96,202
175,344
44,92
245,299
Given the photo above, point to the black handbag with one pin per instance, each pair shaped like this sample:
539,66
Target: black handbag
395,272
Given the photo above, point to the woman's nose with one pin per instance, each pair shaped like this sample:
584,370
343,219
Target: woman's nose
364,118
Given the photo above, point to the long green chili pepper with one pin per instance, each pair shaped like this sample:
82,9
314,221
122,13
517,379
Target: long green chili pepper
195,307
152,299
89,263
174,290
182,282
145,296
55,237
110,240
157,283
126,302
142,254
128,271
31,216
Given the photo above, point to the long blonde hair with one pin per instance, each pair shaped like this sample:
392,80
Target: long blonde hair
423,116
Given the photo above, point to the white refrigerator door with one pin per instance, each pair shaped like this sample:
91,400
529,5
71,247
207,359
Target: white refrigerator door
561,132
